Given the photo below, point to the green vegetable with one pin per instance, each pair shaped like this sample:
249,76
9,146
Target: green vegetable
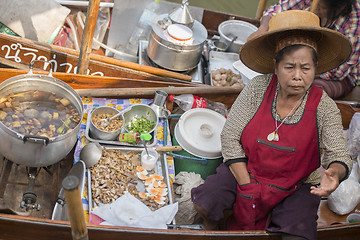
140,125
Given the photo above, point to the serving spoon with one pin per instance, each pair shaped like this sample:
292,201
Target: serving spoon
106,121
90,154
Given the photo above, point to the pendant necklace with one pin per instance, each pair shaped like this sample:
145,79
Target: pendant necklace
274,136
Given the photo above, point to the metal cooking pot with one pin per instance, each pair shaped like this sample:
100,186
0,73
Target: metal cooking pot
33,151
173,56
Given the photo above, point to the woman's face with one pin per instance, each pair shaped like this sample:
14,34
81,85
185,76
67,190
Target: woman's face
296,71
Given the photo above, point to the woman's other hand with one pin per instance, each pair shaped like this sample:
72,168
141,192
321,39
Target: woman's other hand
239,170
330,180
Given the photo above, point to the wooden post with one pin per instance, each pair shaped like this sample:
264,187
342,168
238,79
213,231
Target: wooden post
75,208
314,5
87,39
261,8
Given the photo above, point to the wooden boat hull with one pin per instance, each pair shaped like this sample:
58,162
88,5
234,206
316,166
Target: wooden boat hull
20,227
16,227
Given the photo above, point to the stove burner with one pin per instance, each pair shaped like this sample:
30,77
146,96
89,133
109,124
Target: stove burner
29,197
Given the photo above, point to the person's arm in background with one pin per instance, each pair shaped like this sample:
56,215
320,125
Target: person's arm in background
349,26
280,6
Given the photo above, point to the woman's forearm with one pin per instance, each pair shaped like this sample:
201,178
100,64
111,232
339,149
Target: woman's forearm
239,170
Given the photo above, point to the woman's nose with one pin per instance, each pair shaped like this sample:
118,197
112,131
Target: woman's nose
297,74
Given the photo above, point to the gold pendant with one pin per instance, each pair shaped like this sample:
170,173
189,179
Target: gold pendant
273,136
276,137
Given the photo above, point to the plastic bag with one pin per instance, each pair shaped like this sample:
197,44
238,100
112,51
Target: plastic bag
102,24
347,196
353,143
184,182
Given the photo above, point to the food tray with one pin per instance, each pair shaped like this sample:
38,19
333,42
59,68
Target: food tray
88,135
225,60
161,168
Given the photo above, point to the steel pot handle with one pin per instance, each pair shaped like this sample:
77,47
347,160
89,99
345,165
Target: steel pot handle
31,66
46,140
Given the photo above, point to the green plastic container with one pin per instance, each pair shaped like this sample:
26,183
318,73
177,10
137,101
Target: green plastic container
193,166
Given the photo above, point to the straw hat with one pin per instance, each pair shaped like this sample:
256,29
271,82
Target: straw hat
333,47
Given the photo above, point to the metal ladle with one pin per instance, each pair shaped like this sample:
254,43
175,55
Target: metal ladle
90,154
232,41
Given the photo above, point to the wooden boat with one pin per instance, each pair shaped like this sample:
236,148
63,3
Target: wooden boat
39,226
13,178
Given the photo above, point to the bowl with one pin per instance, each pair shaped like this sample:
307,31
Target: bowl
102,134
353,217
138,111
231,28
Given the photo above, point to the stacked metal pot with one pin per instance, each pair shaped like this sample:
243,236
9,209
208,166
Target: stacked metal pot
181,48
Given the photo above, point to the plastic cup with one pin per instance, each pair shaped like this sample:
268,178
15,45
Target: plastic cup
353,217
148,161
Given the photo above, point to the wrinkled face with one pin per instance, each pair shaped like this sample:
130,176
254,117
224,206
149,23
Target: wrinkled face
296,71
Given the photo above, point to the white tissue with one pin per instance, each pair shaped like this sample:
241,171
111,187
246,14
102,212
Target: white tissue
128,211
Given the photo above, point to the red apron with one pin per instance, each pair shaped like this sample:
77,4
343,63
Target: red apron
276,168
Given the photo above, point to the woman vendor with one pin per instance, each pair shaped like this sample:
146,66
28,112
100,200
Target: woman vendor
278,132
342,16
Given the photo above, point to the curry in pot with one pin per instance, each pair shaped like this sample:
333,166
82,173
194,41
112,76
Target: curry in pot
38,113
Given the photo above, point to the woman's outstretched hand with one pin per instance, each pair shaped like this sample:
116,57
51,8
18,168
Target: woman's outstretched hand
329,182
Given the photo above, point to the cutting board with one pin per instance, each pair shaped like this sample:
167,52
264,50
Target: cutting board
38,20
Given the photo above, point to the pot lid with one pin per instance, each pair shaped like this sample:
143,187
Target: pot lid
179,32
198,30
182,15
198,132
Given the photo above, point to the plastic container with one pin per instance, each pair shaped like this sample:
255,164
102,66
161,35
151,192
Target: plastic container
353,218
148,161
197,166
198,133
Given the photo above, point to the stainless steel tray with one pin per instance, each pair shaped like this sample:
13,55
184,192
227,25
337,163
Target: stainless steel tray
161,168
88,135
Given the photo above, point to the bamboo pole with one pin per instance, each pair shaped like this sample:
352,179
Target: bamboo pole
261,8
141,92
75,208
88,35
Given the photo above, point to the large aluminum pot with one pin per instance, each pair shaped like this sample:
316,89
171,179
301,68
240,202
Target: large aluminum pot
173,56
35,151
